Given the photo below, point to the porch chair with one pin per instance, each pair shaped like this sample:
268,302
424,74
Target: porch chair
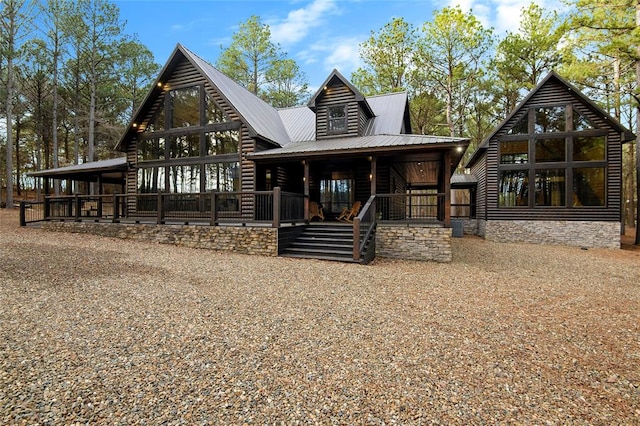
348,214
315,210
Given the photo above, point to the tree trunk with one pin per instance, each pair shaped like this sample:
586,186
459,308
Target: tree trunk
637,242
9,111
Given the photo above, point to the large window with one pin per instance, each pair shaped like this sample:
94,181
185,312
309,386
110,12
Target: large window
562,163
337,119
189,145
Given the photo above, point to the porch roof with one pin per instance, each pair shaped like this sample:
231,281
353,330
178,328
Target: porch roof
363,144
112,169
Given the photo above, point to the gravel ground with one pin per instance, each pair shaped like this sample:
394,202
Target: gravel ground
97,330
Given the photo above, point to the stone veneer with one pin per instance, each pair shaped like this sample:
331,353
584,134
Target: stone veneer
561,232
414,242
247,240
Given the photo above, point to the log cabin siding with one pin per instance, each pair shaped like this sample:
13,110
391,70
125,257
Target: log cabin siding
552,94
335,96
479,170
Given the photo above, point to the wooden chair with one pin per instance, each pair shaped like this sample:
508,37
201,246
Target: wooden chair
315,210
348,214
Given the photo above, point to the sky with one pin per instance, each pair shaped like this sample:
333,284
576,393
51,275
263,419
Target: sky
319,35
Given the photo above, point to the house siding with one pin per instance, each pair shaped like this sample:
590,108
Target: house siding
551,94
337,95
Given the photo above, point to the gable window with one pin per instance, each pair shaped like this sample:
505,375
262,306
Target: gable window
185,107
562,163
337,119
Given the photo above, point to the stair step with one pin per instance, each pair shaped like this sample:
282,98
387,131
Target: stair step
320,245
319,250
320,257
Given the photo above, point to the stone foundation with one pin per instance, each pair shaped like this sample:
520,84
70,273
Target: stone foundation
414,242
246,240
571,233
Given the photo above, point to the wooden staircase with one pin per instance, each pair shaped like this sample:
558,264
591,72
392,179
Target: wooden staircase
324,241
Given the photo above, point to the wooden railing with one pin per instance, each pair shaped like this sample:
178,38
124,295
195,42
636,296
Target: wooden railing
31,212
273,207
363,226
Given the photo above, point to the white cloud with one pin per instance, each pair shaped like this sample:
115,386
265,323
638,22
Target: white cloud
300,22
341,53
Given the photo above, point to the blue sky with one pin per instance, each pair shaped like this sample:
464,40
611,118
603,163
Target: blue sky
319,34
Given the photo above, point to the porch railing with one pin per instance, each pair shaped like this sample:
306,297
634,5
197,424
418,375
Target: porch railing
410,207
31,212
273,207
363,226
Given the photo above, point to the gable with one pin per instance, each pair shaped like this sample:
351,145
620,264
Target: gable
554,90
184,69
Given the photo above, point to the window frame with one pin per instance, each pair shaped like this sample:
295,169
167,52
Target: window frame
533,166
331,121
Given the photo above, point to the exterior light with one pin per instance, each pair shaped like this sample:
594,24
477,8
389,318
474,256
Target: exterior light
325,87
459,149
134,125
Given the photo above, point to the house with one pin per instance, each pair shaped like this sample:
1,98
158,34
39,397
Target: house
202,150
551,172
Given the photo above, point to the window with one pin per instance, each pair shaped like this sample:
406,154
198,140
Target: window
156,123
550,187
336,193
514,188
550,119
589,186
185,107
589,148
222,177
337,119
185,146
559,164
213,113
521,127
150,180
151,149
218,143
184,179
550,150
514,152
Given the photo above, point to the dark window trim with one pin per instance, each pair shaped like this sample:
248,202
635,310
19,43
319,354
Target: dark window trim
346,119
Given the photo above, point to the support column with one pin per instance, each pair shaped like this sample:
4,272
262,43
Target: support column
305,179
446,187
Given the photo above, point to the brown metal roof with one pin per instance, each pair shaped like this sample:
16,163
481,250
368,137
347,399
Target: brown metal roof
372,143
112,169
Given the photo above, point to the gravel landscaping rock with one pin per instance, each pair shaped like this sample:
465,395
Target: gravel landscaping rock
98,330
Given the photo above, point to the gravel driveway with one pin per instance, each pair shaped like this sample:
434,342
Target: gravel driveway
97,330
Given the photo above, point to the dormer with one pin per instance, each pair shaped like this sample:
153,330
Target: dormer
341,110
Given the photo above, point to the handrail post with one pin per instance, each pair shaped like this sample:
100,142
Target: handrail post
276,207
23,219
116,208
160,208
213,220
99,206
356,238
46,208
78,207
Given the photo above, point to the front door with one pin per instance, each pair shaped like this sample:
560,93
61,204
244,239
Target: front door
337,192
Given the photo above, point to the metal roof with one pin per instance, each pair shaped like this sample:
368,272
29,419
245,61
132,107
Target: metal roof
263,119
113,165
300,123
389,110
463,180
364,143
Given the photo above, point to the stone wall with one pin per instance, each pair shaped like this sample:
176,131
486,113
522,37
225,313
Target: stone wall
247,240
414,242
571,233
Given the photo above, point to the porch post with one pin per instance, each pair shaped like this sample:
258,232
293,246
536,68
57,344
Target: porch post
306,190
47,209
374,188
100,188
276,207
446,186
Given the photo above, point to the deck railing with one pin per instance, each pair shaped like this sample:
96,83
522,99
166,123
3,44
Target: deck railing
410,207
363,226
271,207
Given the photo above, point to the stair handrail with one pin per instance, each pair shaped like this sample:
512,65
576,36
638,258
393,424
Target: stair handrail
366,216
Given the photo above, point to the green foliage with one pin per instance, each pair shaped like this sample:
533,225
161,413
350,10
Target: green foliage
259,65
387,56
